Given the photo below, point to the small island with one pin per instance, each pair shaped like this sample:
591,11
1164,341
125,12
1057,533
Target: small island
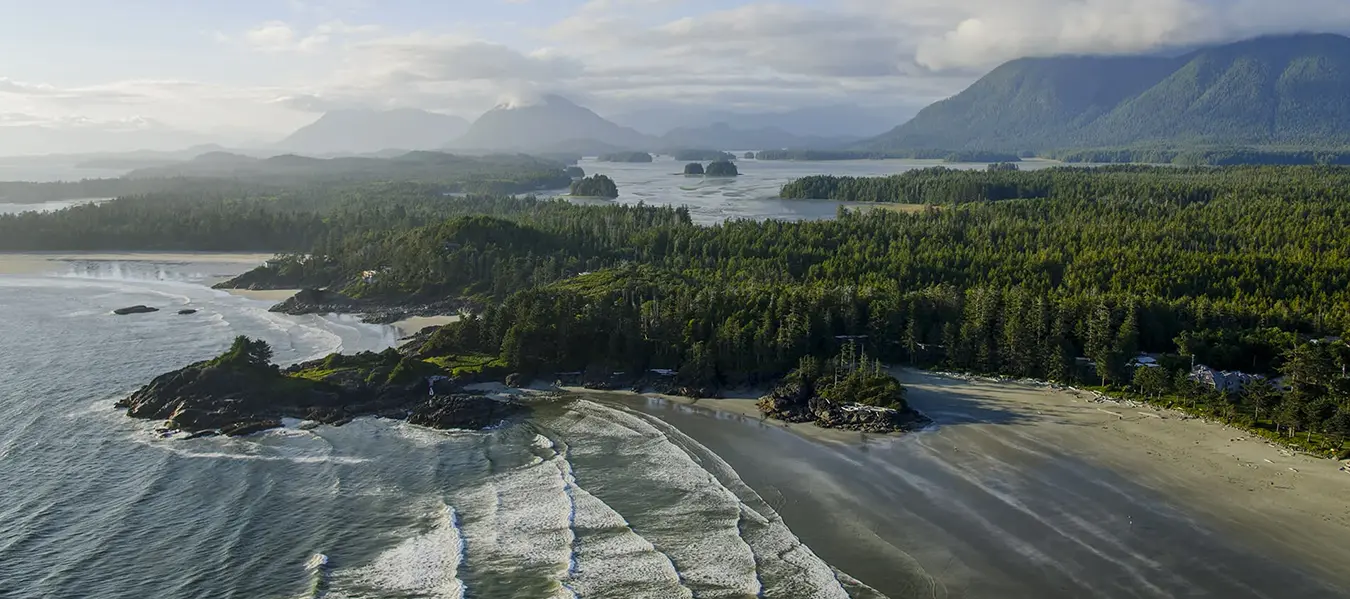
693,168
626,157
722,168
596,186
241,392
749,155
849,392
575,172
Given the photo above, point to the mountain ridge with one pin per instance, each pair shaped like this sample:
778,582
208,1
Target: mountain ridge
1292,90
366,130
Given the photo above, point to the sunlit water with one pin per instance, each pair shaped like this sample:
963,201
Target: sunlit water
579,500
754,194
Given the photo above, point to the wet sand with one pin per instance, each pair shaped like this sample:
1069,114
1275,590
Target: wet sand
1026,491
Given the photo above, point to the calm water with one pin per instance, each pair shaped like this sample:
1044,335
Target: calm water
51,206
754,194
581,500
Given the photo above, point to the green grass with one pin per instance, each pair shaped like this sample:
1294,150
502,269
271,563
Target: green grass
467,364
318,374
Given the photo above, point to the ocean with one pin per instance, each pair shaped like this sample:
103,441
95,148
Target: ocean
582,499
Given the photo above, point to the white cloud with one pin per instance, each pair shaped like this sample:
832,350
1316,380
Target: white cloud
620,54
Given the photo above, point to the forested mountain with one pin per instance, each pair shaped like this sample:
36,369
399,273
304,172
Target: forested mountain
551,122
357,131
1284,90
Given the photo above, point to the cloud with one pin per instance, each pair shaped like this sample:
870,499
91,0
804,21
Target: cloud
279,36
432,58
615,55
983,33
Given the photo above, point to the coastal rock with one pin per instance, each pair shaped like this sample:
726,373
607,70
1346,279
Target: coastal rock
137,309
376,311
462,411
515,380
186,311
238,397
793,402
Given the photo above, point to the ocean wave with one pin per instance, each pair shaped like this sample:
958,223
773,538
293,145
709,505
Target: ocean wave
425,564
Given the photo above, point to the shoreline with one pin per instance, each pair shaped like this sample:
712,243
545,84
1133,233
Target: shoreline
28,263
407,327
1100,490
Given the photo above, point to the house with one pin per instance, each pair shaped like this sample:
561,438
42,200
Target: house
1228,381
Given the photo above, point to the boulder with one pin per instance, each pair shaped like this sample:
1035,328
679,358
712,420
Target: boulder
463,411
186,311
515,380
137,309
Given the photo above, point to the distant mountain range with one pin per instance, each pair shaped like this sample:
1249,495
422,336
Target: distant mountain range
35,140
825,122
1284,90
554,125
550,122
365,131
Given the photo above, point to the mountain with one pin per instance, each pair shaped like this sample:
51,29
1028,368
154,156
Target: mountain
835,121
362,131
725,137
552,122
1281,90
33,139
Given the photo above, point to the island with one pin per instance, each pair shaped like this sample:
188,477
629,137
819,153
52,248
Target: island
749,155
575,172
626,157
595,186
849,392
693,168
722,168
241,392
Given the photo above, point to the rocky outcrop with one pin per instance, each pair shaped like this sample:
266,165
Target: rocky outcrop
135,310
242,399
462,411
378,311
793,402
186,311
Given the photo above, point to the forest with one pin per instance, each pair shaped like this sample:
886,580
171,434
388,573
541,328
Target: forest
1062,274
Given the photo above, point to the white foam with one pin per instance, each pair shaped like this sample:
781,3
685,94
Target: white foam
518,525
425,564
698,529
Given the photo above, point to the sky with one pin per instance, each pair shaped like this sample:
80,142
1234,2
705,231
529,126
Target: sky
257,69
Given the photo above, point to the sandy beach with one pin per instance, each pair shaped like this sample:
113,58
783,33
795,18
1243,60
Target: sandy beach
268,295
406,327
46,262
1028,491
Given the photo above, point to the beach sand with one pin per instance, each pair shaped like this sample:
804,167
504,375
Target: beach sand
269,295
410,326
1027,491
48,262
